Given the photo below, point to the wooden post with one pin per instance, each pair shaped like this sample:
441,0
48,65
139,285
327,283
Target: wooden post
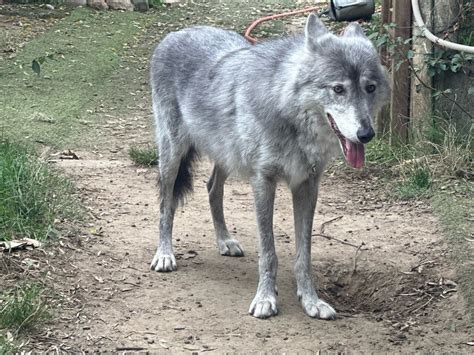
421,97
400,109
386,19
383,119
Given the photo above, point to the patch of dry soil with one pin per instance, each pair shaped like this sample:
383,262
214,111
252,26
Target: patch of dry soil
394,293
389,293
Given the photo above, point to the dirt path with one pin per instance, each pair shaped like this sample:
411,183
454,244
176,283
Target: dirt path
391,303
397,293
394,300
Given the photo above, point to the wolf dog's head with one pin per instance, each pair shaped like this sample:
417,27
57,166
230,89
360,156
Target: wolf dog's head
348,83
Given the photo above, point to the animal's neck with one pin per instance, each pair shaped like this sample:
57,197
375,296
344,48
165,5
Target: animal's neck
316,139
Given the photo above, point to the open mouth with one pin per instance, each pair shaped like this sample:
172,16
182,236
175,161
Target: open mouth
353,152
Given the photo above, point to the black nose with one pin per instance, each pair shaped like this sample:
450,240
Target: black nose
365,134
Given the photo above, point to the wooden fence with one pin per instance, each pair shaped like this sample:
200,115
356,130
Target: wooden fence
412,105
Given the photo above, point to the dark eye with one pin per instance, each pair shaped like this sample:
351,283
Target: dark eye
338,89
370,88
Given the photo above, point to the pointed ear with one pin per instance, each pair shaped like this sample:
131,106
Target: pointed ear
353,30
314,29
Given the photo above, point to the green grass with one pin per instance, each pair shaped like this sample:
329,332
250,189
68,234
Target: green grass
416,183
24,308
408,175
454,209
32,195
6,347
81,64
94,65
146,156
411,168
155,3
380,153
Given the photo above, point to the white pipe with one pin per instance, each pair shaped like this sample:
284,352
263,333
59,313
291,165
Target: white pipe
441,42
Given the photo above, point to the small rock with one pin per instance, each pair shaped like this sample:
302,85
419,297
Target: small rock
120,5
140,5
98,4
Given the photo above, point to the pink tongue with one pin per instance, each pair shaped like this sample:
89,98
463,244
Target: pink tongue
355,154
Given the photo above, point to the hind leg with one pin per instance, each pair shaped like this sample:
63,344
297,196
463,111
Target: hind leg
215,186
169,162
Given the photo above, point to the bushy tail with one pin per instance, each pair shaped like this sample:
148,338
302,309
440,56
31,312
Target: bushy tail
184,180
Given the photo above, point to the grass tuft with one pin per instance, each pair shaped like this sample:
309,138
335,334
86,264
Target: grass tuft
146,156
33,196
416,183
445,154
380,153
156,3
454,151
25,308
6,347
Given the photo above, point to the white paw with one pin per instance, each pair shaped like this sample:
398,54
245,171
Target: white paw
163,262
263,307
317,308
230,247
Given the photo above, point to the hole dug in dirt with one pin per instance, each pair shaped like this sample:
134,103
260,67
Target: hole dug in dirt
384,294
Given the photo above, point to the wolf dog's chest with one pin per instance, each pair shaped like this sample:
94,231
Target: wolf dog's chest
314,148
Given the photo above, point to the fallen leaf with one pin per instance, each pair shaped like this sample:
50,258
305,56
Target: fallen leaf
68,154
163,345
99,232
31,263
20,244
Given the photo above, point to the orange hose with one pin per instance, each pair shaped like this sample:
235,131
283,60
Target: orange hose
271,17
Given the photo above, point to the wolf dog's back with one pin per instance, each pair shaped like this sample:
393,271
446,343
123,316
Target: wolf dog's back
208,81
189,53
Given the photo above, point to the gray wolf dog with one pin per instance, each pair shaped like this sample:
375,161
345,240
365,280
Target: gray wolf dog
275,111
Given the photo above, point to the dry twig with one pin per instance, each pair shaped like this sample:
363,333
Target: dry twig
354,270
337,240
423,305
321,234
324,224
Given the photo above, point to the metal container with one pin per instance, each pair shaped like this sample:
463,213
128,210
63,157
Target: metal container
351,10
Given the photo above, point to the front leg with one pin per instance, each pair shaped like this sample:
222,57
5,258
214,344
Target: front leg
304,204
264,303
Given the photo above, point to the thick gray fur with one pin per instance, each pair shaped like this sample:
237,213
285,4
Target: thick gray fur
259,112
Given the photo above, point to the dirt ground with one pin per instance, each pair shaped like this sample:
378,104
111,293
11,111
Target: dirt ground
383,264
396,293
